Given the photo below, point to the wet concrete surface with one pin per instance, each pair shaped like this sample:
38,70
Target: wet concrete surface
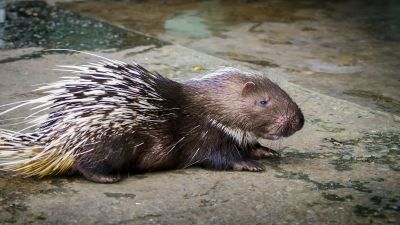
342,168
346,49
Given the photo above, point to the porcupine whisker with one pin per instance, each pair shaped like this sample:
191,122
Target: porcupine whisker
237,150
40,84
64,70
174,146
280,111
35,113
12,103
275,125
13,124
40,119
284,112
82,52
69,77
28,127
194,155
15,107
9,119
193,163
273,116
182,139
11,132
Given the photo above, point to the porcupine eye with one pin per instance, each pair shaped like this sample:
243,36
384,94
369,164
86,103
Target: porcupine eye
263,103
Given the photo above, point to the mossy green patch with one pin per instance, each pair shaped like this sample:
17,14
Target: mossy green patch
334,197
323,186
292,153
379,179
365,211
372,146
305,177
119,195
377,200
360,186
37,24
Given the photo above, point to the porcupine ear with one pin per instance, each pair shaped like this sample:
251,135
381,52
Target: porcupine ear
248,88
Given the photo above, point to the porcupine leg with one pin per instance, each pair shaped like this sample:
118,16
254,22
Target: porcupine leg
98,167
257,152
221,160
110,157
260,152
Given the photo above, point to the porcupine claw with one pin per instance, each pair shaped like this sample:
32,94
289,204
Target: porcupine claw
248,165
261,152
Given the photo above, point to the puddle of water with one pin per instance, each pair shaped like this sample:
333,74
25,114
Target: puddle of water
323,67
329,46
188,24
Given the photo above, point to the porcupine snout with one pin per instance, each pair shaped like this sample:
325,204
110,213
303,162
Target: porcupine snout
290,122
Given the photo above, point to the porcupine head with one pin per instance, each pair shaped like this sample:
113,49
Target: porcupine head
250,103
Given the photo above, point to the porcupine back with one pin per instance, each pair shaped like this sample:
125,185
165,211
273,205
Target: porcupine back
104,99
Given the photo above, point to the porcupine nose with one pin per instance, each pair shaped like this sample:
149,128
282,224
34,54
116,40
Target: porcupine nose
292,123
298,121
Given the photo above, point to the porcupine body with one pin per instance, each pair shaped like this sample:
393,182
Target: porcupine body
113,118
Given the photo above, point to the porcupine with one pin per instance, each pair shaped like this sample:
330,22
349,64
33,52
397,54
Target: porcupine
115,118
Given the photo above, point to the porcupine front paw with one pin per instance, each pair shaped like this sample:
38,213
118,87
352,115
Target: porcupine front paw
261,152
248,165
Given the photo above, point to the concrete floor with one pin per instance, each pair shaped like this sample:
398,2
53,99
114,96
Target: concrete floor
342,168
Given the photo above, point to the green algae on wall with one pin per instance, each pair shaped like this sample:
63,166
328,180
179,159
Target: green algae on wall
37,24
